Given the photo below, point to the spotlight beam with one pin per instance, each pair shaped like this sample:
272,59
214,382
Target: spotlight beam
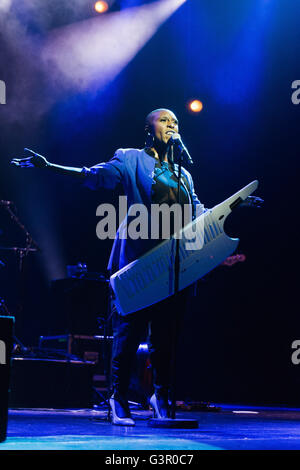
94,51
84,55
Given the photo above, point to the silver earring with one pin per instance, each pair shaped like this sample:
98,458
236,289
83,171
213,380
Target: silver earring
149,140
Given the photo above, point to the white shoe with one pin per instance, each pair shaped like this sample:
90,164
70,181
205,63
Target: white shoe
126,420
160,410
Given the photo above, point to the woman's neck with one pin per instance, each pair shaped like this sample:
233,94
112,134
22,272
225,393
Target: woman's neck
160,153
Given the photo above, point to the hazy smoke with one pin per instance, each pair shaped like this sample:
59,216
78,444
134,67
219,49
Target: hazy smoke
5,5
43,66
92,52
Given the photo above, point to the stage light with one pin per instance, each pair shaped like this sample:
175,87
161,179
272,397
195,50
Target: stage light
91,53
5,5
196,106
101,6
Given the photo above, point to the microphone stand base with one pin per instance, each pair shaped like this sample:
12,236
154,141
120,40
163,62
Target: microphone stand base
173,423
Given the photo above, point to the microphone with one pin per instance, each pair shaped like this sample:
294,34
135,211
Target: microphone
6,203
175,140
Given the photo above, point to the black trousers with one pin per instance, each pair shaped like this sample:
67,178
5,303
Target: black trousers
161,324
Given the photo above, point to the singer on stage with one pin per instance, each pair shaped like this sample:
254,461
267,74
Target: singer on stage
149,176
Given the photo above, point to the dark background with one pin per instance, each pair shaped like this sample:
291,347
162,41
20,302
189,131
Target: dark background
239,59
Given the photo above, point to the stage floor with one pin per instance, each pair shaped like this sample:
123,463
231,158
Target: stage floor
233,427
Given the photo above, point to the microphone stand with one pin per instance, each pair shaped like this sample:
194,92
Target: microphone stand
21,252
176,291
173,422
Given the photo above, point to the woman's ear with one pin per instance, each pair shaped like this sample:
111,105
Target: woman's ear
149,137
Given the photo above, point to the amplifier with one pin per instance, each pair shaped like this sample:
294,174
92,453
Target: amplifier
48,383
78,306
88,348
6,345
98,349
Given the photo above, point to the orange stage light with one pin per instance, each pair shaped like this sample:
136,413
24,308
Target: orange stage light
196,106
101,7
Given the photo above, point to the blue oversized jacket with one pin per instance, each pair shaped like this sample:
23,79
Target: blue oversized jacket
134,168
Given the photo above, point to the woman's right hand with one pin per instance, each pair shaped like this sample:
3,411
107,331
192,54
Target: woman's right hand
35,160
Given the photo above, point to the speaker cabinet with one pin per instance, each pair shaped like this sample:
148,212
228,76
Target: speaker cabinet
6,345
78,306
51,383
